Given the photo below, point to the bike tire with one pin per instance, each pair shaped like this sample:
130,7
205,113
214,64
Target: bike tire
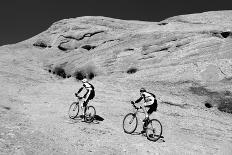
73,110
130,120
90,114
154,130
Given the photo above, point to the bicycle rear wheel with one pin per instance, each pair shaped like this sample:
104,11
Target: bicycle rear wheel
73,110
90,114
154,130
130,123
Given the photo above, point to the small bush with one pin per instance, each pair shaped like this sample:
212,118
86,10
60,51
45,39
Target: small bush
132,70
163,23
208,105
226,34
88,71
222,99
40,43
79,75
91,75
129,49
201,91
60,72
88,47
225,104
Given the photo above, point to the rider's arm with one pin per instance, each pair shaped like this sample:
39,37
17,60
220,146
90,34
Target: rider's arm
86,93
138,100
80,90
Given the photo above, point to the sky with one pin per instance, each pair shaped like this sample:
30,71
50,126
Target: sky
23,19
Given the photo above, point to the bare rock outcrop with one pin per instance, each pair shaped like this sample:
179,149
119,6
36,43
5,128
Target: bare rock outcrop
184,60
194,47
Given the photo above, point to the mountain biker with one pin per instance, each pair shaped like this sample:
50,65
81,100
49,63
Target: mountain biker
89,95
149,102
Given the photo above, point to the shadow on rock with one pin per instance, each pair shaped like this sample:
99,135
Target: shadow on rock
161,139
77,119
98,118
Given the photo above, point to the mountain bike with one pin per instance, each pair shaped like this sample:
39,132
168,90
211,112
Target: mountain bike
75,108
152,127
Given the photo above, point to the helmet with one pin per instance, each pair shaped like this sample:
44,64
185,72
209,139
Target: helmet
142,90
84,80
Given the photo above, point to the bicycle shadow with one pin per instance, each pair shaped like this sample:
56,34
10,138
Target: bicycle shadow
160,140
97,119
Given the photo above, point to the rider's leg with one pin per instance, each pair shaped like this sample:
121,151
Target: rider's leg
85,106
145,111
86,102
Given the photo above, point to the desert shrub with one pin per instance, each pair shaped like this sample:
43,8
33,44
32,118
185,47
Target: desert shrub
60,72
226,34
225,102
129,49
222,99
163,23
88,47
132,70
91,75
79,75
88,71
201,91
208,105
40,43
225,105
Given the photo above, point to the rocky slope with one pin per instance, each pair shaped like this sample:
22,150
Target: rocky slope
185,60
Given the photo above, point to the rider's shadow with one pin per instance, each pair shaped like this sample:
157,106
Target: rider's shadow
160,140
97,119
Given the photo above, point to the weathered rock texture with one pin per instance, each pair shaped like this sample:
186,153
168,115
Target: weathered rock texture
194,49
185,60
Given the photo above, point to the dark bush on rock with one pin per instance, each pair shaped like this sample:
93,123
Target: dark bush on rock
91,75
88,47
201,91
79,75
225,102
222,99
40,43
208,105
226,34
60,72
88,72
132,70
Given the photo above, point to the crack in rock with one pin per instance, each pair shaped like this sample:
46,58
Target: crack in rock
84,36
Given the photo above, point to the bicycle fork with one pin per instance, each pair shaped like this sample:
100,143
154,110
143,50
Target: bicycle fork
75,107
132,119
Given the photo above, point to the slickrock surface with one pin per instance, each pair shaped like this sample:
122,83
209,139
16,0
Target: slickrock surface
184,60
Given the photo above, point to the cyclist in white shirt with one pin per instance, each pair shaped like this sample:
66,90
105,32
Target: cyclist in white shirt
89,95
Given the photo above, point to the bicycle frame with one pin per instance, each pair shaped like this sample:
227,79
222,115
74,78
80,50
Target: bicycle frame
137,110
80,101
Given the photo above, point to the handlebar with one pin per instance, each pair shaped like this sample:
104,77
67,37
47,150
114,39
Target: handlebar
133,104
79,97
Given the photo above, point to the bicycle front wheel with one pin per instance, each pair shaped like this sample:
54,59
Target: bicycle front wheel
130,123
73,110
154,130
90,114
